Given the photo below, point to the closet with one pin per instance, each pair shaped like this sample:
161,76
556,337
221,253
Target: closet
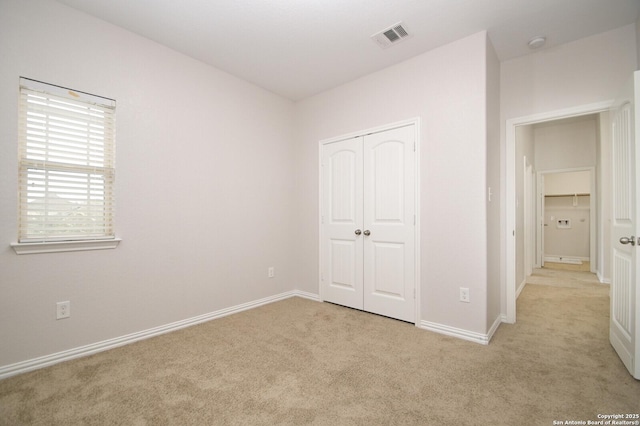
368,222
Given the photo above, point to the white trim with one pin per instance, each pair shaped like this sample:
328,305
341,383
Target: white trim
494,327
529,222
48,360
573,260
602,279
510,191
521,287
471,336
306,295
417,287
376,129
61,246
40,86
417,129
320,221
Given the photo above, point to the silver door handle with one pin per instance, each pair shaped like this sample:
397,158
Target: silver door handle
367,232
358,232
624,240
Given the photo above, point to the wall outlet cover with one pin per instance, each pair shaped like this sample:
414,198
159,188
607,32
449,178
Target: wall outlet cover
63,310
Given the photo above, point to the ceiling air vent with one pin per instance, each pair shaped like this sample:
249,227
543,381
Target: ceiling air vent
392,35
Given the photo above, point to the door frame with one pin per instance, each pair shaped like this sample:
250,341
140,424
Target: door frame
529,209
509,195
416,127
593,197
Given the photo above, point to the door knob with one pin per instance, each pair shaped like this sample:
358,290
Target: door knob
358,232
367,232
624,240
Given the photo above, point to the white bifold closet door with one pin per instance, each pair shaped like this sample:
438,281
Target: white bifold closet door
368,223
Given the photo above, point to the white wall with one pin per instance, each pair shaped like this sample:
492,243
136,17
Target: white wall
585,71
566,144
446,88
567,242
205,199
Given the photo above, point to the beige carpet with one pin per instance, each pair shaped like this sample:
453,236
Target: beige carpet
300,362
565,278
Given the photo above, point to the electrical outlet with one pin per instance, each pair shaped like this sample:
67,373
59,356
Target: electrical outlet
271,272
464,295
63,310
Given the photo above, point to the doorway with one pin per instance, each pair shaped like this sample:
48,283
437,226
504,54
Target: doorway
514,264
566,219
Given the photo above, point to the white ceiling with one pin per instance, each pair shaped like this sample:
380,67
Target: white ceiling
297,48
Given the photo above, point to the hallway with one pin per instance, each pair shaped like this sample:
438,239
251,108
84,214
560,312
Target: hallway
567,278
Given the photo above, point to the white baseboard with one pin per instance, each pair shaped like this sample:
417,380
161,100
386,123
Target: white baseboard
575,260
494,327
602,279
47,360
520,288
471,336
306,295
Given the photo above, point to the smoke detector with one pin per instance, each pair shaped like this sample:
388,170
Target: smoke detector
537,42
392,35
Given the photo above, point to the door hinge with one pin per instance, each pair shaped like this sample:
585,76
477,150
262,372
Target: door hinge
322,219
414,219
414,292
414,146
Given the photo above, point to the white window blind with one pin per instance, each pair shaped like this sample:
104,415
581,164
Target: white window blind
67,164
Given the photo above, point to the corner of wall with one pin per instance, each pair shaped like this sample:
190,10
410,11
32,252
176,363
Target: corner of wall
494,255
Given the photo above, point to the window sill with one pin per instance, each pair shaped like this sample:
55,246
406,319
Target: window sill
60,246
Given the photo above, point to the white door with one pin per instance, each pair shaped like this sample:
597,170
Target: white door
342,251
368,223
389,223
624,333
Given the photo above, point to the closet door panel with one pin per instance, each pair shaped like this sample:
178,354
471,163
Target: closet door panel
389,207
386,167
341,247
389,261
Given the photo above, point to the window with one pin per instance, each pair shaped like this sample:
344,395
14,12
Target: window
66,167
